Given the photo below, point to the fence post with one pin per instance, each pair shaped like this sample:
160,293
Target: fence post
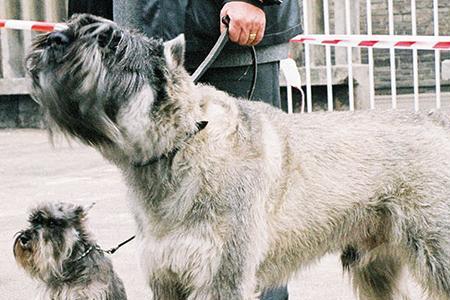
12,42
316,25
339,28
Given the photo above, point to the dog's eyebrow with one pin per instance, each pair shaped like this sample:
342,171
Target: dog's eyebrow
39,218
36,217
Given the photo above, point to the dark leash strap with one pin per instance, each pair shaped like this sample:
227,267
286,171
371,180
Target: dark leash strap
112,250
98,248
214,53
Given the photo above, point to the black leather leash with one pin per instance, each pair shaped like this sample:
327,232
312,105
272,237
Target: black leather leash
110,251
214,53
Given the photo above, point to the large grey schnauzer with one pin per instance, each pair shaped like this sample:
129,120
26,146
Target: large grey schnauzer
230,196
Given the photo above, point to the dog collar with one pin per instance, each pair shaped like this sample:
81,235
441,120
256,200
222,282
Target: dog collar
200,126
85,253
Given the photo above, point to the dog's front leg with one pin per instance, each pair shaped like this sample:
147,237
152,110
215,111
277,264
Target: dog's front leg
214,293
232,282
235,277
166,290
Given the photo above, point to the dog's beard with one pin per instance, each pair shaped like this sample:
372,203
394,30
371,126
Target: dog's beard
73,94
72,81
24,255
82,86
87,87
45,256
79,114
56,235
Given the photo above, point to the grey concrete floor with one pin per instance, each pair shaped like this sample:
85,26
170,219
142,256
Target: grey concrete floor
32,171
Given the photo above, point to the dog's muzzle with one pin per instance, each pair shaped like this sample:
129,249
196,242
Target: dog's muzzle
23,240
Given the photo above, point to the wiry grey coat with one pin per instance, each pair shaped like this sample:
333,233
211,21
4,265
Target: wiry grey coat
241,205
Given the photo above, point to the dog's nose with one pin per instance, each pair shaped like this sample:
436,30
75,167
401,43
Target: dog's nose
59,38
24,238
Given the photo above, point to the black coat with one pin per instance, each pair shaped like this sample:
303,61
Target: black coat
202,26
102,8
198,19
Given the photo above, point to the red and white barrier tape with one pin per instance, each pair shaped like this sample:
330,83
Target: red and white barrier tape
367,41
32,25
377,41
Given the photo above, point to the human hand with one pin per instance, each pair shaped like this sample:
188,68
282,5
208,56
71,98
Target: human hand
247,23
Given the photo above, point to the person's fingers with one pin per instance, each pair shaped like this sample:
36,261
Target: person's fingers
247,23
259,29
251,38
256,33
244,35
234,31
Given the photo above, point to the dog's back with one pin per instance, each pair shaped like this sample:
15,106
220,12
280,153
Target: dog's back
376,182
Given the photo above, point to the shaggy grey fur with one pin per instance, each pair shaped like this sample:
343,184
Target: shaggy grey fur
58,251
257,194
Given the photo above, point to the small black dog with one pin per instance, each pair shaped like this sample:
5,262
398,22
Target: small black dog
58,251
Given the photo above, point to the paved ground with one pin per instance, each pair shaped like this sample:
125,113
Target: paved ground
32,171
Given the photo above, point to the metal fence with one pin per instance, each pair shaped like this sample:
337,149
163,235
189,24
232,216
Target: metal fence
13,43
348,21
322,68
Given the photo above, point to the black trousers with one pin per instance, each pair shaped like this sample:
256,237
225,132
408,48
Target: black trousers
237,81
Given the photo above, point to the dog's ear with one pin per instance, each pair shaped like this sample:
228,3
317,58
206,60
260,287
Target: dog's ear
174,52
80,212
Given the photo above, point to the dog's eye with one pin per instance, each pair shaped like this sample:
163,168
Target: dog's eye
52,223
37,220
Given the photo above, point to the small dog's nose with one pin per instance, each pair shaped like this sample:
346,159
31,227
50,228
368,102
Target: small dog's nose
24,239
59,38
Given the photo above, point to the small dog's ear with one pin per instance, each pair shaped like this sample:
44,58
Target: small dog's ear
80,212
174,51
